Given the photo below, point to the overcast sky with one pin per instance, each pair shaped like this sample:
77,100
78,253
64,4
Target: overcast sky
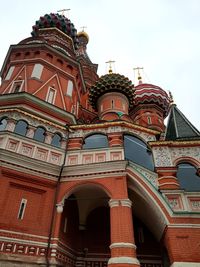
163,36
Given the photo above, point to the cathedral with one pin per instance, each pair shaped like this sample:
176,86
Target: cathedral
90,174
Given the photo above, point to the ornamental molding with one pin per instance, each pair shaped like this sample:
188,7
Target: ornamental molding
92,129
165,156
150,176
17,114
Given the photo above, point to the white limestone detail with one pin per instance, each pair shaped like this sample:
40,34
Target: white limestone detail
185,264
123,260
122,245
165,156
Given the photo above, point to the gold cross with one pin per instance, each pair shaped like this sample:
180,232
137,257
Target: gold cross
110,62
138,70
83,28
63,11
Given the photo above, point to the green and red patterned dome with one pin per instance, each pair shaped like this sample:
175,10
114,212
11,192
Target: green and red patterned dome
152,94
112,82
56,21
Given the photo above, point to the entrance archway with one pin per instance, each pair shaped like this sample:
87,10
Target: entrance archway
85,226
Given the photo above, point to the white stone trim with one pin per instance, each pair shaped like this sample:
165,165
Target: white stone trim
124,260
185,264
182,225
126,202
113,203
122,245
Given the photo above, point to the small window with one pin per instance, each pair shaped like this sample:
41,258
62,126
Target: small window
51,95
37,71
56,140
149,120
65,225
10,72
187,177
3,123
112,104
69,88
39,134
21,127
22,209
95,141
17,86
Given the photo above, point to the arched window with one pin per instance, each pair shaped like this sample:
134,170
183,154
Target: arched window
3,123
95,141
39,134
138,152
21,127
188,178
56,140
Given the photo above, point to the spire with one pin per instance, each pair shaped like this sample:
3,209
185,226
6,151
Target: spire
110,62
179,127
138,74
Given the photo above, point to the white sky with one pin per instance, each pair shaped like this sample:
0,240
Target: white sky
163,36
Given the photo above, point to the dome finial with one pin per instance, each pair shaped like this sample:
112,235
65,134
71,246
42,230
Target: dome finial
171,98
62,11
110,62
138,73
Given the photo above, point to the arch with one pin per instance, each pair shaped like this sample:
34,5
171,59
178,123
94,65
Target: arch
95,140
21,127
56,140
148,204
137,151
190,160
187,176
3,123
80,185
39,134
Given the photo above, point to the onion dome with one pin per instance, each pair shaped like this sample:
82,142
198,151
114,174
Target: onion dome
83,37
112,82
152,94
56,21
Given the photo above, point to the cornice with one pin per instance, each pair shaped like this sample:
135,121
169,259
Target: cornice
8,100
112,124
174,143
28,165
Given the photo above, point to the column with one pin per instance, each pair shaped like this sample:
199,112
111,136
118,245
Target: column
123,249
167,178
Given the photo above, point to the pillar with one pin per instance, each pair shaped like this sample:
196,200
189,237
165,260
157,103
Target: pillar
167,178
123,249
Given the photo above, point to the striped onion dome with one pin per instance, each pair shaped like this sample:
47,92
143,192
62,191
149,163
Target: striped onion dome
112,82
152,94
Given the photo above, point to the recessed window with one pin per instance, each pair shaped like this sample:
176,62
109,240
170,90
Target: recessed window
21,127
40,134
51,95
149,120
17,86
112,104
69,88
95,141
9,73
187,177
37,71
56,140
3,123
65,225
138,152
22,209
